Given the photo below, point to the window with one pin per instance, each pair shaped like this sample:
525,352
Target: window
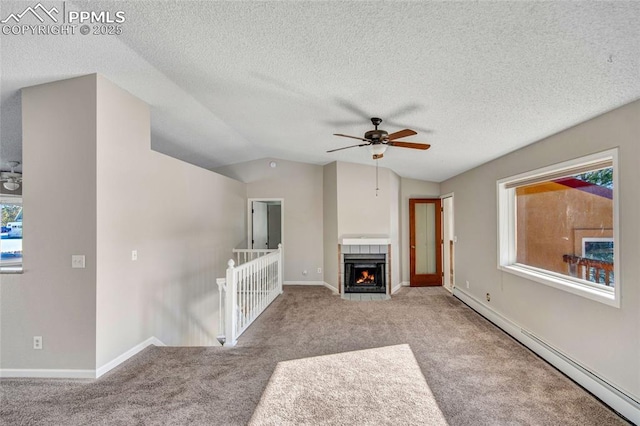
11,235
558,226
599,249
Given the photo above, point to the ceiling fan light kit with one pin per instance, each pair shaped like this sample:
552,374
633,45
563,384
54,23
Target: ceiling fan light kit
378,149
11,186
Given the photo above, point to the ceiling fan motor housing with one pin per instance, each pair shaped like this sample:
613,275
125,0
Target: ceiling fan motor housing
376,135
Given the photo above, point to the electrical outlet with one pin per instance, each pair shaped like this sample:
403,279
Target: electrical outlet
134,254
77,261
305,272
488,297
37,342
319,270
467,283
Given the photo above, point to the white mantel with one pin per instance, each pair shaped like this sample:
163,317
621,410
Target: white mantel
365,241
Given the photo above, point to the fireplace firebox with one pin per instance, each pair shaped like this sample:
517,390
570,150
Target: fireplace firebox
364,273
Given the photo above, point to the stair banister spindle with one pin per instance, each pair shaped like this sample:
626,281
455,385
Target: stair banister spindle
248,289
230,303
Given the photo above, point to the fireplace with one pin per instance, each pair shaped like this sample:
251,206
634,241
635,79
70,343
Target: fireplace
365,273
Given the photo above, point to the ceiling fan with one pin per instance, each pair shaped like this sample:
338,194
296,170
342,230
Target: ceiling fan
379,140
11,180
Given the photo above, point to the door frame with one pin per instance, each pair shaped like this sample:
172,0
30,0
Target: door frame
412,254
250,221
449,247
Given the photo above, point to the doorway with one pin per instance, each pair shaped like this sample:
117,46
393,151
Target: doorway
449,238
425,239
265,224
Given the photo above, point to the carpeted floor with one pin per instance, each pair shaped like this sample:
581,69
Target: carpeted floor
477,374
370,387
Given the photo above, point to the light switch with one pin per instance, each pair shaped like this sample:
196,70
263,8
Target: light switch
134,254
77,261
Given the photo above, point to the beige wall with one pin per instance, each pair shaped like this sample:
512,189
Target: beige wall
360,211
50,299
182,220
351,208
603,338
300,185
330,202
330,224
411,188
395,229
117,196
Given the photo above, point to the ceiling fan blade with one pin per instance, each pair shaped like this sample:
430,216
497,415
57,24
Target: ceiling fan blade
407,109
394,123
401,134
353,108
336,123
347,147
352,137
412,145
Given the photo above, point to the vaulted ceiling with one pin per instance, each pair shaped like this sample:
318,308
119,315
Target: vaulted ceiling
229,82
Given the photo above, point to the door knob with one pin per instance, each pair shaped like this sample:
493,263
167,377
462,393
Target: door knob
413,247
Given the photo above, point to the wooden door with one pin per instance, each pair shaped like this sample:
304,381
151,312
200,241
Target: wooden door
425,239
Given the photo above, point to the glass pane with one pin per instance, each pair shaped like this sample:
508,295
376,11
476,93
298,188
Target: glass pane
11,236
425,216
565,226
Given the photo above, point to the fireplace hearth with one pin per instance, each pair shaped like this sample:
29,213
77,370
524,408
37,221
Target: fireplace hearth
364,273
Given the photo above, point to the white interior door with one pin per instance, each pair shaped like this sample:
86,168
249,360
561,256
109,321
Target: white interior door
260,225
448,242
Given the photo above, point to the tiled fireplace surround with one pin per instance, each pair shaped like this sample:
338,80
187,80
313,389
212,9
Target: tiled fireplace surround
365,246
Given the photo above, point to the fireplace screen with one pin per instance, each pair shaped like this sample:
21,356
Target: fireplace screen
364,273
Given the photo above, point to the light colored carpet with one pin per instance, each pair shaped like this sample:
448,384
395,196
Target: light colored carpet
381,386
478,375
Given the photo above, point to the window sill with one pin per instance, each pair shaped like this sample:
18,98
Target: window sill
608,296
10,270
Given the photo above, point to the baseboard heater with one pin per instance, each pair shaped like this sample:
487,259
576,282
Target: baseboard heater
619,400
582,369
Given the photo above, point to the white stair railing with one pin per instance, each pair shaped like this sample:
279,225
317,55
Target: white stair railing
247,255
246,291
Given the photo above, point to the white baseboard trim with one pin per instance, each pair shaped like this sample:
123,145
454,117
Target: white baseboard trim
43,373
128,354
395,289
38,373
405,284
621,401
330,287
322,283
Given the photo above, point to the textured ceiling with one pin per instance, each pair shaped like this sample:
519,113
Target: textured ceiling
229,82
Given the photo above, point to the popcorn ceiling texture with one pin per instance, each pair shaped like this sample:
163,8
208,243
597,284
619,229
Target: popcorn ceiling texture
230,82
